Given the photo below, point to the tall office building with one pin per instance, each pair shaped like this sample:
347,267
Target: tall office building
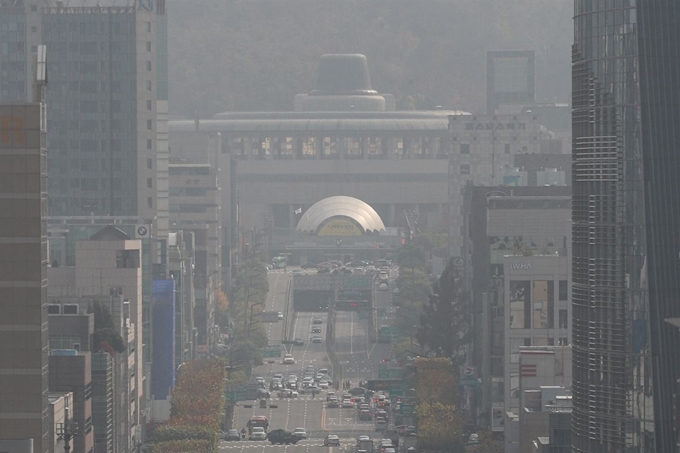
23,279
107,99
510,80
626,217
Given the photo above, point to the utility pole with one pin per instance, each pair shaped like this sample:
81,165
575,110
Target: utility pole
67,430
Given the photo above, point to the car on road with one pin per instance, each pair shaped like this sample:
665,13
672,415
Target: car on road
380,425
278,376
310,389
356,391
317,339
365,415
347,403
232,434
308,266
297,272
259,380
300,433
316,329
299,342
279,315
331,439
258,433
323,385
323,371
332,402
317,321
281,436
288,359
383,286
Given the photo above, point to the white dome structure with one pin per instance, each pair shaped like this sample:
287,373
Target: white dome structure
352,209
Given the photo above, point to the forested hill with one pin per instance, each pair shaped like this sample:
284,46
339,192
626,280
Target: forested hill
255,55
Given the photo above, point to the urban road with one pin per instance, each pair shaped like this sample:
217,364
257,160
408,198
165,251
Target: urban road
358,358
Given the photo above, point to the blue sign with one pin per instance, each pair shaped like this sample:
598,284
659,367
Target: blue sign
163,338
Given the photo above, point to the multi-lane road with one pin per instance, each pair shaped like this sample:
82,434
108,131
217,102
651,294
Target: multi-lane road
359,362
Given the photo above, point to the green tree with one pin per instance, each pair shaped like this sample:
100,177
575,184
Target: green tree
411,257
104,328
445,325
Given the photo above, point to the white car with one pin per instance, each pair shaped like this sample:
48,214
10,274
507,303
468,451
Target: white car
323,385
258,433
331,439
280,315
288,359
300,433
383,286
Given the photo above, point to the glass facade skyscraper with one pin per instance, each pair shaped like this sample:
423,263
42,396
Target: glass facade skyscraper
626,219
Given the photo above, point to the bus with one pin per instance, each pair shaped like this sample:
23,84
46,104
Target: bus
279,262
258,420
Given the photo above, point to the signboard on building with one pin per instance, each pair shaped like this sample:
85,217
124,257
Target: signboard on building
339,227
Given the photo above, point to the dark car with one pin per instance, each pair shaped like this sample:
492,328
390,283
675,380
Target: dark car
323,270
317,321
281,436
232,434
316,329
299,342
308,266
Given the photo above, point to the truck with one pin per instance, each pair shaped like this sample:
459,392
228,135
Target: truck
364,446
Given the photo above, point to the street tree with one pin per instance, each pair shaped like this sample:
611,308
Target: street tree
445,324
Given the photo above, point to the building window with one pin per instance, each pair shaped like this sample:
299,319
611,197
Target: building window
149,163
507,148
149,124
465,148
149,203
149,183
149,143
465,169
148,66
564,319
54,309
70,309
34,8
148,26
34,49
34,29
148,46
127,259
148,105
563,290
148,85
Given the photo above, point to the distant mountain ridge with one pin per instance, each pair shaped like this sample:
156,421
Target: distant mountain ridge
256,55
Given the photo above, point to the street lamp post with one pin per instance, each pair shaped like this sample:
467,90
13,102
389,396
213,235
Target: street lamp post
338,243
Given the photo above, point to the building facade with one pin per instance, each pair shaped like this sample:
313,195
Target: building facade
195,207
70,371
518,231
106,89
23,276
109,265
613,360
510,80
483,151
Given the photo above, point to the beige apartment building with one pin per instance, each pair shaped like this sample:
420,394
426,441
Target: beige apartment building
109,264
